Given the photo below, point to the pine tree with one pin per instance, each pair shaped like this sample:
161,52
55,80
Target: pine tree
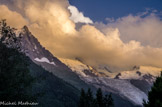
8,36
155,95
15,78
108,101
99,98
89,98
82,101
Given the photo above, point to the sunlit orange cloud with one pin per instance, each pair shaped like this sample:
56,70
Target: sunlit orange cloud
50,22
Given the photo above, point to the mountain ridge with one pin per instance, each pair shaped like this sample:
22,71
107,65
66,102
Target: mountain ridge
40,56
32,48
134,83
60,69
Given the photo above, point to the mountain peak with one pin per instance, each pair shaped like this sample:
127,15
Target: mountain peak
25,31
26,28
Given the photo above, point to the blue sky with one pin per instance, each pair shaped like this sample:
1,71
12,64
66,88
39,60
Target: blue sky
98,10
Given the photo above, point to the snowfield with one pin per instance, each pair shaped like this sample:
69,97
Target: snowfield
122,87
75,66
43,59
143,70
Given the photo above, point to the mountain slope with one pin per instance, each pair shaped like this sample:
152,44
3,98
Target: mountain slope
38,54
56,92
32,48
75,72
53,90
131,85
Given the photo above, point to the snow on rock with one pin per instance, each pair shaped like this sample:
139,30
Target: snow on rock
35,47
122,87
75,66
129,75
143,70
43,59
154,71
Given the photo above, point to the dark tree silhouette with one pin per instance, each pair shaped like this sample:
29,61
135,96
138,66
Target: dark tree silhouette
108,101
15,79
155,95
8,36
99,98
89,98
82,101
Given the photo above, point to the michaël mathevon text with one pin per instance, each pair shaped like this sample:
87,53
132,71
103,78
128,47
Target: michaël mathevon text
26,103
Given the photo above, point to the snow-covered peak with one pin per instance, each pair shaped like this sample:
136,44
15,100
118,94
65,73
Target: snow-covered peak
80,68
139,73
43,59
75,66
154,71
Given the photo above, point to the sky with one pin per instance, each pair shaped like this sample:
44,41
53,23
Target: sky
99,10
114,34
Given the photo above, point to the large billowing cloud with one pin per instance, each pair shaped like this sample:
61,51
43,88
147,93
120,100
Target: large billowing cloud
49,21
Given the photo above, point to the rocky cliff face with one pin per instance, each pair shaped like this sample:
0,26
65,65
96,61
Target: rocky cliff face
32,48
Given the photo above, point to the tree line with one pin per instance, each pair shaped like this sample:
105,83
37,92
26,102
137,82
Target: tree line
15,78
155,94
87,99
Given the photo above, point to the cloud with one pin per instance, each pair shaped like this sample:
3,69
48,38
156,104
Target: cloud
5,13
94,45
146,30
77,16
